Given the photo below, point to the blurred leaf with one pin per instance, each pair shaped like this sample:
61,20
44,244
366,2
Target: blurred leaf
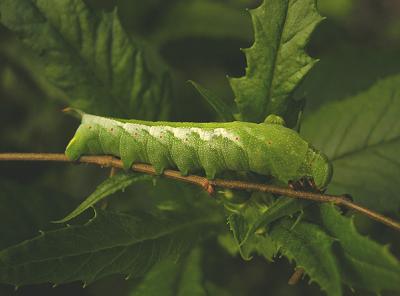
200,18
346,70
276,62
337,9
223,111
311,248
228,243
138,16
366,264
25,60
108,187
111,243
26,209
89,57
361,135
171,278
214,290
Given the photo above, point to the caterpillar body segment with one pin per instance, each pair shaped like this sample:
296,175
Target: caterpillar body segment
266,148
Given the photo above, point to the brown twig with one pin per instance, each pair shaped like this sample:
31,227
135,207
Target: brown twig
296,276
110,161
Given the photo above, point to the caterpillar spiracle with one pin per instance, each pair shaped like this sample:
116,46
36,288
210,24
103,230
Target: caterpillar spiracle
267,148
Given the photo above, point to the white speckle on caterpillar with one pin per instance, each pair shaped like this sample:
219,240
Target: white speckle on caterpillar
203,134
102,121
206,135
134,128
156,131
181,133
224,133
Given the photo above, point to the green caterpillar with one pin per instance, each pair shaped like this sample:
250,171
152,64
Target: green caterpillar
267,148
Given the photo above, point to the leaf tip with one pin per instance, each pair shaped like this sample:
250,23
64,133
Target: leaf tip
94,214
60,221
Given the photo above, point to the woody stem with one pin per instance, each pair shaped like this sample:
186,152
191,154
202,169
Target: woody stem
110,161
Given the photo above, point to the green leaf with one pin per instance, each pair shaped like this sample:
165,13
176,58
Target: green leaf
111,243
311,248
192,276
90,57
171,278
366,264
160,280
216,103
361,135
200,18
250,222
261,244
108,187
242,218
284,206
276,62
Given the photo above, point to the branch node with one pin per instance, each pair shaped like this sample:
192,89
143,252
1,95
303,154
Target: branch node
208,187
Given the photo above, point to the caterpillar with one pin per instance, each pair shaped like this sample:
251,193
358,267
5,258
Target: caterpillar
267,148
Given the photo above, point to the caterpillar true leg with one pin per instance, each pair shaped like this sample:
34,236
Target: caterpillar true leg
304,184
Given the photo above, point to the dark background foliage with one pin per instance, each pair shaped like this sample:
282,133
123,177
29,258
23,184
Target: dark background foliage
358,44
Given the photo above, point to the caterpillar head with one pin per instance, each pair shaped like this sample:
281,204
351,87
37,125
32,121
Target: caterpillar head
78,144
